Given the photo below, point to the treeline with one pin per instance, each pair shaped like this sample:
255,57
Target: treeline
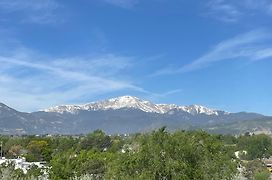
155,155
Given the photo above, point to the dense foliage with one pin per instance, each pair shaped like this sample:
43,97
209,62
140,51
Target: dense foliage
156,155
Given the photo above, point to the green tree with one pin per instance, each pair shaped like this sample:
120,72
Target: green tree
182,155
62,166
257,146
38,150
96,140
255,170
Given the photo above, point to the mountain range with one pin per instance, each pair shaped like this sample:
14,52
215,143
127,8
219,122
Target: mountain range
125,114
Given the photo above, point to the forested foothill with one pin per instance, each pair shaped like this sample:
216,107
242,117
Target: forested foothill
155,155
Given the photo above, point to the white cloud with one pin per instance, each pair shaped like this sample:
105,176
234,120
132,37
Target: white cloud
253,4
263,54
233,10
122,3
31,81
16,5
31,11
253,46
223,11
165,94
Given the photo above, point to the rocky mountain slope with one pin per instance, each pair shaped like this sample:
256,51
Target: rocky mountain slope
125,114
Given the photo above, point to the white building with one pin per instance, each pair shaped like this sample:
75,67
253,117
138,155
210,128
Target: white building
20,163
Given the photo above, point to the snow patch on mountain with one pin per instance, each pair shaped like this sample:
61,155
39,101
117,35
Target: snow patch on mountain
132,103
196,109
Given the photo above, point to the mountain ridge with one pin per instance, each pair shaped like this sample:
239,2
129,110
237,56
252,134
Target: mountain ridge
125,114
135,103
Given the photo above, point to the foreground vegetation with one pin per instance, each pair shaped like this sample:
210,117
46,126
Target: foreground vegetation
155,155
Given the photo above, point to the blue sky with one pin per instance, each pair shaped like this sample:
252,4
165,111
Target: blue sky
216,53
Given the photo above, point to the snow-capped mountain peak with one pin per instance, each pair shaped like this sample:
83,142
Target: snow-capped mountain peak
131,102
124,102
64,108
197,109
